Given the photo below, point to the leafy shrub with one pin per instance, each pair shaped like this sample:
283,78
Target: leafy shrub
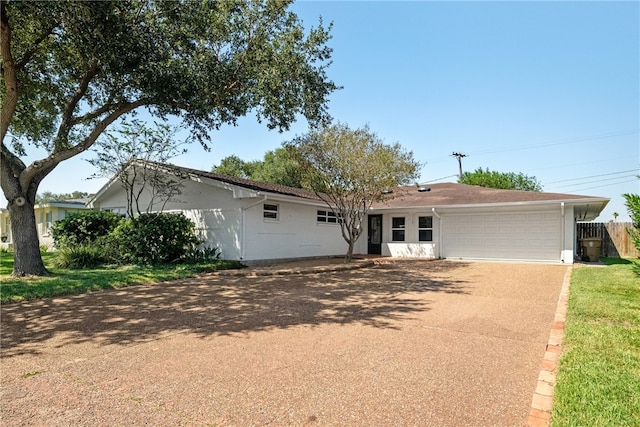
77,257
197,255
154,238
84,227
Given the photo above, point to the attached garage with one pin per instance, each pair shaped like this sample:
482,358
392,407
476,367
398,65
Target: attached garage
514,236
472,222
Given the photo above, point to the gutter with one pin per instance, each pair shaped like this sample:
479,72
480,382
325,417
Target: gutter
562,230
242,220
433,211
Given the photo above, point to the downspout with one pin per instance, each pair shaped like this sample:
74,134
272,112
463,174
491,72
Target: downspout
242,218
433,210
562,230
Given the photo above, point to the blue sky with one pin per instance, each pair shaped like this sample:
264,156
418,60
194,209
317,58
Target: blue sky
549,89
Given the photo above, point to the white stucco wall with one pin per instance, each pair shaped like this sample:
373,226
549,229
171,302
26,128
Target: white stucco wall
411,247
295,234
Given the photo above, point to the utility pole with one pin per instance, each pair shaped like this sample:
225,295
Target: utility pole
459,156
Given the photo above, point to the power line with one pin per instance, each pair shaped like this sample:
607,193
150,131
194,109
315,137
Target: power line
593,176
605,185
558,142
440,179
598,161
593,182
552,143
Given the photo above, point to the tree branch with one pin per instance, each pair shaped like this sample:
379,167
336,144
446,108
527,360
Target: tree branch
20,63
67,121
8,73
95,113
35,169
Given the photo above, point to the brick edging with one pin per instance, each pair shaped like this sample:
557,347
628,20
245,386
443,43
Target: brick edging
542,402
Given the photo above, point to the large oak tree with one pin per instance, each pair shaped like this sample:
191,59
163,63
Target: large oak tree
71,69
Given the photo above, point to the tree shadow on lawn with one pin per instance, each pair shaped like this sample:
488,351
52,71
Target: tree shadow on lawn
376,297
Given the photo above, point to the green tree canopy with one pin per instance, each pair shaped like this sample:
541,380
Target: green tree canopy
279,166
71,69
48,196
502,180
350,169
235,166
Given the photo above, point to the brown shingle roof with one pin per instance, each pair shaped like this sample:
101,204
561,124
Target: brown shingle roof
440,194
451,194
245,183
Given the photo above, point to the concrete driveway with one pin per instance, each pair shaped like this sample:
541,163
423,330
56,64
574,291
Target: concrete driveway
433,343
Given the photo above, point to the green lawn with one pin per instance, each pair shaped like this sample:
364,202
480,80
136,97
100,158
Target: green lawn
598,382
64,282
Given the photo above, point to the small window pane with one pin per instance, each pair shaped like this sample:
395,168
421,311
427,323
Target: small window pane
270,211
329,217
397,222
425,235
397,235
425,222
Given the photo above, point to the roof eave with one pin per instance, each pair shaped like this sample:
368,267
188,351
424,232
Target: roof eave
572,202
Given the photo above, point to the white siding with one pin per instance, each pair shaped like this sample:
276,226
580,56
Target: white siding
218,228
296,233
411,247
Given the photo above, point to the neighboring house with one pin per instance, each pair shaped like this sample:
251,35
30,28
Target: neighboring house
46,215
254,222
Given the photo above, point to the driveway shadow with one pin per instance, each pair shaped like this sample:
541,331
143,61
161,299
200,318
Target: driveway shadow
378,297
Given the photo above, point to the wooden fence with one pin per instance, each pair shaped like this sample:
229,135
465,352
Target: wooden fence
615,238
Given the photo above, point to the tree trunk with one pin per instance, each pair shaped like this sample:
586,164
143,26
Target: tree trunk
26,247
349,256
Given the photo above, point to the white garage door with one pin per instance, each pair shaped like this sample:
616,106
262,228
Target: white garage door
518,236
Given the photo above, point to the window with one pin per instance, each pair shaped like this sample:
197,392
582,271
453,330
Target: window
48,221
397,229
329,217
120,210
270,211
425,228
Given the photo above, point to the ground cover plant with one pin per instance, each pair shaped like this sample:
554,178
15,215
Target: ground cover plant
598,381
66,281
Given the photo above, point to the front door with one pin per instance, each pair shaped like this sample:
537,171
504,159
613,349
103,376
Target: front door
374,236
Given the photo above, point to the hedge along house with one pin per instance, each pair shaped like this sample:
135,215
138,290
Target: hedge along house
255,222
46,214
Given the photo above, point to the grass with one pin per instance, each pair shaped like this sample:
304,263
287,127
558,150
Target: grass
598,382
64,282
